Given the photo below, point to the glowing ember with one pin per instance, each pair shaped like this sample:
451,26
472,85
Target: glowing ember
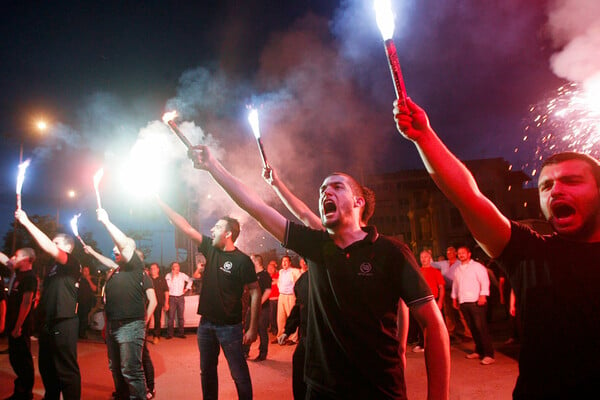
20,179
169,116
97,178
385,21
569,121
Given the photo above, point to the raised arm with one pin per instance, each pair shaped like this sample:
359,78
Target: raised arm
240,193
293,203
40,237
489,227
107,262
180,222
125,244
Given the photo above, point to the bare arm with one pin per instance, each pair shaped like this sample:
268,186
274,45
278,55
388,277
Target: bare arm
489,227
125,244
265,296
40,237
442,293
241,194
252,332
23,311
151,295
437,349
293,203
107,262
180,222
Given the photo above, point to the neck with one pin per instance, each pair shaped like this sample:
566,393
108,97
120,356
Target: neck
345,236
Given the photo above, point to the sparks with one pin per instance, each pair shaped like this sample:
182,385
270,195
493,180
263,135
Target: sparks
385,18
169,116
568,121
253,120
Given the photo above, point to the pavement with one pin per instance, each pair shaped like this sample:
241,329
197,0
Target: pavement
176,364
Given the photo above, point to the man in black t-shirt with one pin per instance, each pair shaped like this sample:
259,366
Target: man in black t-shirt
226,273
58,314
125,293
21,292
555,277
357,279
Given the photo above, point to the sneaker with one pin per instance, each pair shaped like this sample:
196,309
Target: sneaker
472,356
150,394
259,358
156,340
418,349
487,361
181,336
169,337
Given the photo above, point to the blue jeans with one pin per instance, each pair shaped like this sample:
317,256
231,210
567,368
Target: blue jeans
211,338
176,306
124,342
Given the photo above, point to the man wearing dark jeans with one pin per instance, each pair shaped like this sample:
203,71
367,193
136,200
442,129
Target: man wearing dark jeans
264,317
226,273
58,312
162,297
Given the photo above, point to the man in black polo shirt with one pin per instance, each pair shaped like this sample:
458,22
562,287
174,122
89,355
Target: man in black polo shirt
125,293
21,292
58,312
555,277
226,273
357,278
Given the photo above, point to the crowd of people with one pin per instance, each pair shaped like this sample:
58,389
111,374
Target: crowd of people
347,314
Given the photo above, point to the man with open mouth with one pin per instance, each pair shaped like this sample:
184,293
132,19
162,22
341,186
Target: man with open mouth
555,277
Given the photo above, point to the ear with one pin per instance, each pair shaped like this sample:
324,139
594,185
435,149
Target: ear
359,201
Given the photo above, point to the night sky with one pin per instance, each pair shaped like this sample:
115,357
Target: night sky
103,73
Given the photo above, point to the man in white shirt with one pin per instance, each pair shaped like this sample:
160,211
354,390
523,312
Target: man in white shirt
470,289
179,283
287,278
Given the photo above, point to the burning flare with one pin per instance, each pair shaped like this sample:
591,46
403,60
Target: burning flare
20,179
168,118
74,227
253,120
385,18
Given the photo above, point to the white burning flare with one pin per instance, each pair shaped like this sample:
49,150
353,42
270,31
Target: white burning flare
97,178
20,179
385,18
74,227
253,120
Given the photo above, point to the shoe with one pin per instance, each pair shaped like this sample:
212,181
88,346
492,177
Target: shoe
418,349
155,340
487,361
274,341
182,336
510,341
150,394
259,358
290,343
5,351
169,337
472,356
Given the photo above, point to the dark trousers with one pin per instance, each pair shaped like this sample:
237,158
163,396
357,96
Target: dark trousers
298,385
264,319
148,367
476,317
58,359
157,318
176,306
21,361
83,311
273,315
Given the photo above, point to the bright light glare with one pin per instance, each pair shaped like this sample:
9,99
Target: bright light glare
169,116
42,125
74,224
253,120
385,18
145,167
98,177
71,193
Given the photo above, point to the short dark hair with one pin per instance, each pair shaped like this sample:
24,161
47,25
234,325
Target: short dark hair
68,239
233,226
258,258
572,155
362,191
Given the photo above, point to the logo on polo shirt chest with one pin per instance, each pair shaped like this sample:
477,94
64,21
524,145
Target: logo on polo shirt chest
365,269
227,267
